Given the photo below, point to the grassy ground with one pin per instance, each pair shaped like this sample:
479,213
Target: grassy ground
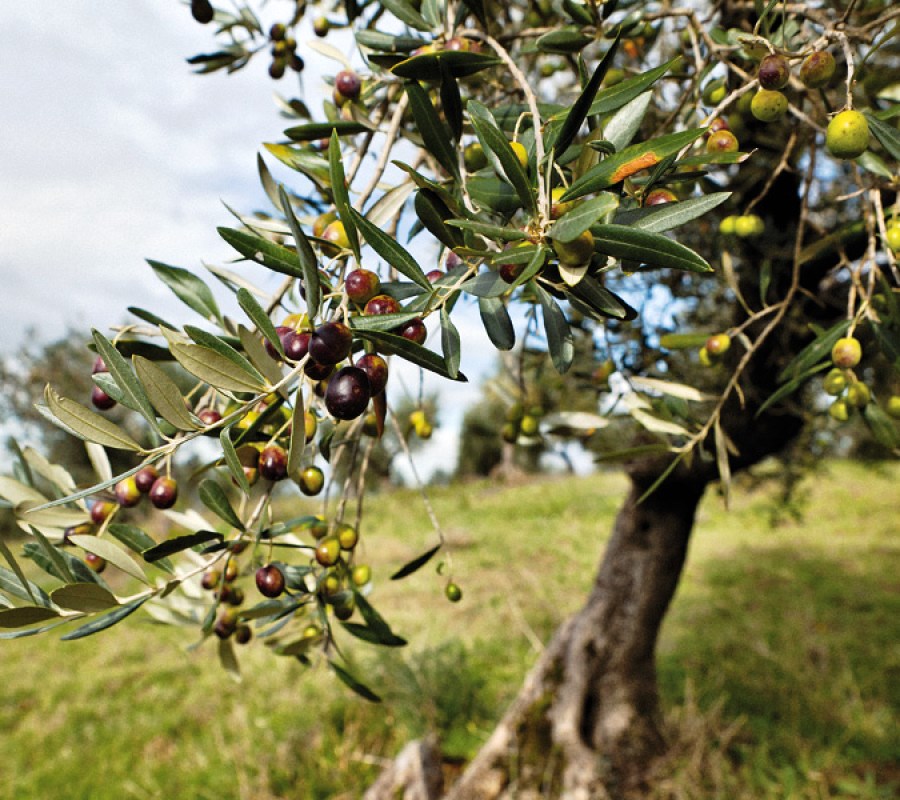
779,663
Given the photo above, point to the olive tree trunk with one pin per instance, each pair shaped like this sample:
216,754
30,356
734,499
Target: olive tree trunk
587,721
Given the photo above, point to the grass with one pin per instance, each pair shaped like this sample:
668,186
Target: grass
779,663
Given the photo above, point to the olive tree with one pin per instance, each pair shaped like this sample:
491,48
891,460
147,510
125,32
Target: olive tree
711,184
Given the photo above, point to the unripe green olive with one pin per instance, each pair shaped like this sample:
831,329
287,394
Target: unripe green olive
835,382
768,105
839,410
847,135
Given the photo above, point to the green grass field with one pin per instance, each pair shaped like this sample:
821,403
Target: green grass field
779,662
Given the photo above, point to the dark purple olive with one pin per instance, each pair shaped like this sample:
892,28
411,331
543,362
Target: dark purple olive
348,393
381,304
270,581
414,331
282,331
273,463
376,369
296,345
330,343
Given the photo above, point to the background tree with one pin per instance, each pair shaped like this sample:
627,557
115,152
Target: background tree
546,152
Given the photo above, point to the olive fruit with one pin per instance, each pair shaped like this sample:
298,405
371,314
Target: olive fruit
277,32
321,26
95,562
163,493
434,275
100,511
310,425
529,425
225,625
893,406
344,610
209,416
817,69
361,285
453,592
659,197
321,223
718,124
127,492
768,105
296,345
839,410
347,536
718,345
521,153
101,399
453,260
858,395
317,371
846,353
210,579
728,224
330,343
348,83
243,633
273,463
892,237
337,235
328,551
381,304
774,72
510,272
270,581
474,157
714,92
202,11
576,252
145,478
277,68
376,369
749,225
558,206
361,575
414,331
834,382
271,349
722,141
348,393
847,135
311,481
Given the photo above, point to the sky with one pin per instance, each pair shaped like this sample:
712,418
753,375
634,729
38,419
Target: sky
113,151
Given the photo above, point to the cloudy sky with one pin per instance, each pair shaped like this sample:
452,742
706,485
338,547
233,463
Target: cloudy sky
113,151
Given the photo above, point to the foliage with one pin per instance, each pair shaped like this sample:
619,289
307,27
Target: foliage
522,147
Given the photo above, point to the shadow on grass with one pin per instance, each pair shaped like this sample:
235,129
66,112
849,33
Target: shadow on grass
803,648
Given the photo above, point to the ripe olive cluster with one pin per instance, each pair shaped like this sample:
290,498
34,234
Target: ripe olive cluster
847,134
715,348
161,490
284,52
